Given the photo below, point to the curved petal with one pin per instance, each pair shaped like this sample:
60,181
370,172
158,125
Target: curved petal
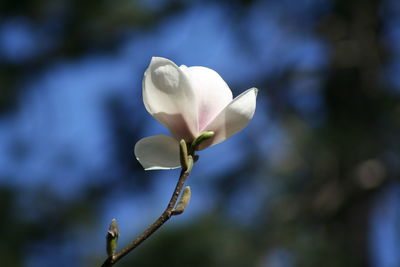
233,118
212,93
158,152
169,97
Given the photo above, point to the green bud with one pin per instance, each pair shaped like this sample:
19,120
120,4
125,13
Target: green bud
200,139
183,154
190,164
112,238
183,202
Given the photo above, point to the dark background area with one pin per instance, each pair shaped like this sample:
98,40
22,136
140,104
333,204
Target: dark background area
312,181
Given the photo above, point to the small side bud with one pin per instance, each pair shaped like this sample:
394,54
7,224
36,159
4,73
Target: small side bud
183,202
183,154
201,138
190,164
112,238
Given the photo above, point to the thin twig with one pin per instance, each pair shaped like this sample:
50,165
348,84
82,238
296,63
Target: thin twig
165,216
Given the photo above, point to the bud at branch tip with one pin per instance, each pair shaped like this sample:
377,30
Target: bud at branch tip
112,238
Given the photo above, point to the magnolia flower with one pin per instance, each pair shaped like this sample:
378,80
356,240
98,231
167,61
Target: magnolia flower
188,101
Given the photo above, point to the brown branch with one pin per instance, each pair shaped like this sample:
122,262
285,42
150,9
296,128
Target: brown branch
165,216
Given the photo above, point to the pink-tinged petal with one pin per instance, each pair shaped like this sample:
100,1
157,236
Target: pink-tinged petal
212,93
232,118
158,152
169,97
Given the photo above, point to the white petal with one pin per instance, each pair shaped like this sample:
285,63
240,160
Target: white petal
212,93
169,97
233,118
158,152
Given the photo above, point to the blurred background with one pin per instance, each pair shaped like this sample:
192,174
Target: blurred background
312,181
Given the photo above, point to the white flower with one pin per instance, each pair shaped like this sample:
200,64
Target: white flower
188,101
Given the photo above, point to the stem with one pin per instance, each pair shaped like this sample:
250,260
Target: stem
165,216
